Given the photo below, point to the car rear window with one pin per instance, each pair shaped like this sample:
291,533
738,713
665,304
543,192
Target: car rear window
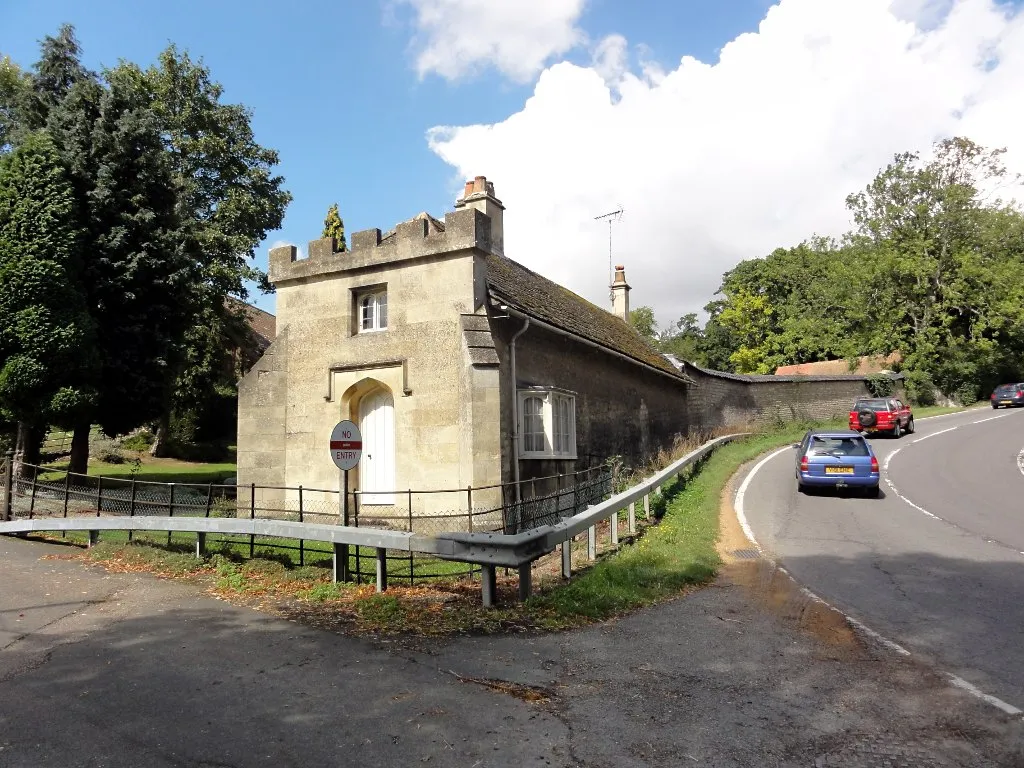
1007,389
874,405
841,446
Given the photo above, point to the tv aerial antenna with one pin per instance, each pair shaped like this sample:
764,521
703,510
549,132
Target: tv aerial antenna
611,217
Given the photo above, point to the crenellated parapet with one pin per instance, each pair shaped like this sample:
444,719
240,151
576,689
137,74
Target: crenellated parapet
463,229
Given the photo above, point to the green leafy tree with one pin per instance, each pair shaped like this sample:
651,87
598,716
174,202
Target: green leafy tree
47,365
642,320
228,200
335,227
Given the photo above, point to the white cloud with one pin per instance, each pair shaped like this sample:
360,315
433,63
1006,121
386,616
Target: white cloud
459,37
718,163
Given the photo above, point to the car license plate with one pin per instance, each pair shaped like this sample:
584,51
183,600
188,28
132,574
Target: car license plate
1005,402
838,470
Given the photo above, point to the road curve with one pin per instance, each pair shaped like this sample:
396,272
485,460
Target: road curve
935,564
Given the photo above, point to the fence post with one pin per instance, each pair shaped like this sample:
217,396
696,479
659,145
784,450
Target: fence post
32,498
67,490
412,557
302,542
632,517
131,507
8,483
99,494
209,499
469,507
171,512
252,516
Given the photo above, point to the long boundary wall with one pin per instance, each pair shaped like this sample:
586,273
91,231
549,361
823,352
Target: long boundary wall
732,400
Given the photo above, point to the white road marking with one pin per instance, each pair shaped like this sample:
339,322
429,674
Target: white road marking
959,682
742,492
860,626
941,432
1000,416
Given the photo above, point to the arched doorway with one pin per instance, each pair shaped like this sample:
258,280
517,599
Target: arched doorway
377,464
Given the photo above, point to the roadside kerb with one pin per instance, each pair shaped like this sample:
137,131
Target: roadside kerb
494,550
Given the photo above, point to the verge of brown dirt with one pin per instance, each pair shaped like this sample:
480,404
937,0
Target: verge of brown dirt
774,589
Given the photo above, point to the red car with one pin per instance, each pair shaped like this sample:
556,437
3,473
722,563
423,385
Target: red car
882,414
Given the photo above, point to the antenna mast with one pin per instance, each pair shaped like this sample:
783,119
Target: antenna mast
611,217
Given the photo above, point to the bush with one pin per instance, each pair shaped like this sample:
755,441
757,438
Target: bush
139,441
880,384
110,456
920,388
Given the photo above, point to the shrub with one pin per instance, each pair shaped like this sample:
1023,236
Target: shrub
110,456
880,384
141,440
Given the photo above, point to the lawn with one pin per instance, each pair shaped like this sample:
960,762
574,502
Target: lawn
158,470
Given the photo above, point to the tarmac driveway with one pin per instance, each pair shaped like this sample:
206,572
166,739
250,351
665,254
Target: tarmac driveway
101,669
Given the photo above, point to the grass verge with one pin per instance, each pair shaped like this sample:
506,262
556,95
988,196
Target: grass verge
674,554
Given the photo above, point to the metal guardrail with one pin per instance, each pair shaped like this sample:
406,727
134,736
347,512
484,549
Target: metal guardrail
489,550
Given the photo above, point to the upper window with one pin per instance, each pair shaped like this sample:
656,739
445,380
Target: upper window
373,312
547,424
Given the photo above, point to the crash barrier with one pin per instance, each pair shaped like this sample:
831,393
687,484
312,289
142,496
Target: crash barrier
488,550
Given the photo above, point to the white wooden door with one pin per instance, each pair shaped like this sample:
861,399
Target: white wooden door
377,464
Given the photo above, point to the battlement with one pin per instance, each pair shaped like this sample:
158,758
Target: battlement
463,229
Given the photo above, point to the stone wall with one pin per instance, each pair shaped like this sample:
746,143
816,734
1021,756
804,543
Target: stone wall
733,400
622,409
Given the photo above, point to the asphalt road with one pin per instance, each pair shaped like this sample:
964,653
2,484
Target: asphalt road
937,563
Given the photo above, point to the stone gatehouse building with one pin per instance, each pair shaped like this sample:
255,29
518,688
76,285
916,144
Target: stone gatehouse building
461,366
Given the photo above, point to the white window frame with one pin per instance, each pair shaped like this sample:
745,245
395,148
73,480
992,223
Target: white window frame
377,302
553,402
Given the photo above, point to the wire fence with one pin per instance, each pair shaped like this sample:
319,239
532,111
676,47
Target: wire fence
509,508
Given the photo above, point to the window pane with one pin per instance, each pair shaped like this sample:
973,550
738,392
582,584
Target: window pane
533,424
557,406
382,310
366,309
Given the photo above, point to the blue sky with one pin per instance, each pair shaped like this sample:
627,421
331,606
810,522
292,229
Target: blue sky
335,88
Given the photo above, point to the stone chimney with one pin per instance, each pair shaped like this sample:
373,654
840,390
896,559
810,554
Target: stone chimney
479,194
620,294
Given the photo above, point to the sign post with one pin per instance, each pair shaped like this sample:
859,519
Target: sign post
346,448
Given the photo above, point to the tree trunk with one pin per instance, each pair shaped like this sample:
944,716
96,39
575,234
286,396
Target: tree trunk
159,447
79,462
27,449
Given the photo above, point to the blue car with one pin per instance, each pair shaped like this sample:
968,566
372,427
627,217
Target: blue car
838,460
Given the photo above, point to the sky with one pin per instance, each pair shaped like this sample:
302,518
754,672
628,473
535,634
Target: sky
723,130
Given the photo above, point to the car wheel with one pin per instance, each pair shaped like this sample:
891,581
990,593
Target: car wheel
801,488
910,426
897,431
995,407
873,493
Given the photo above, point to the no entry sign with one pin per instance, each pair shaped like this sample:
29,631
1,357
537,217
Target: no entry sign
346,445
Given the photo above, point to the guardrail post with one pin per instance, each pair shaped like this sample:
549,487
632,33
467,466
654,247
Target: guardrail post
613,527
200,544
525,581
382,569
339,564
94,538
8,483
632,517
567,558
592,543
647,506
488,586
